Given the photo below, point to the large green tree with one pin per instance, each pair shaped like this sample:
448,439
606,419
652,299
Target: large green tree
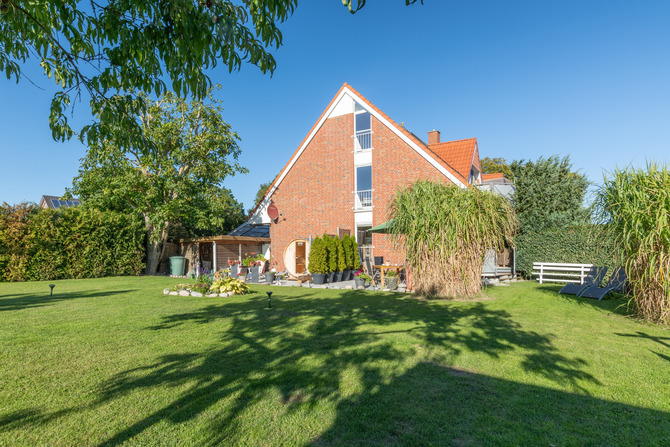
174,177
549,193
104,51
496,165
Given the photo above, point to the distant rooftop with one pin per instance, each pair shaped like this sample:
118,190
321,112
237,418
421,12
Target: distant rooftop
55,202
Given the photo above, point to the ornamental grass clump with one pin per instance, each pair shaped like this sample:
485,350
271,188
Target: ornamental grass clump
635,205
445,232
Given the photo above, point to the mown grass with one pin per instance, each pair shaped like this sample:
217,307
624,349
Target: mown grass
113,361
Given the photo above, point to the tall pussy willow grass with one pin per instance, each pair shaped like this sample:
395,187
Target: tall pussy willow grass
445,232
636,208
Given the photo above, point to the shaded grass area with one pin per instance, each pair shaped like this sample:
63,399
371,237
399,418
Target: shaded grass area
112,361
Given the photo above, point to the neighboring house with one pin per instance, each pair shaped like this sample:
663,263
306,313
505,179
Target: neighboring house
497,184
55,202
344,174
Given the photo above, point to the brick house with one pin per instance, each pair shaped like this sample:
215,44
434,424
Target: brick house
344,173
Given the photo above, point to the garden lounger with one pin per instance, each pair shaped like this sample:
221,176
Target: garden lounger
593,278
616,283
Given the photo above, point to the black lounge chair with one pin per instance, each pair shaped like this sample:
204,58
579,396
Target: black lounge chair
593,278
617,283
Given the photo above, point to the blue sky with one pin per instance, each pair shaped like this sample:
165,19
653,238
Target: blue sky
527,78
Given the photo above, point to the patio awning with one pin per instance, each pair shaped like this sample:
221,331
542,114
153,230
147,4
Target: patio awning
382,228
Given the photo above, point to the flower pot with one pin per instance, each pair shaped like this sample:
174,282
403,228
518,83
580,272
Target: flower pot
359,282
338,276
234,270
331,277
269,277
346,275
243,270
256,274
319,278
391,283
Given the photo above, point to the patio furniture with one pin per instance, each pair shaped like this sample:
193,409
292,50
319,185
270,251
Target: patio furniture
617,283
375,274
593,278
384,268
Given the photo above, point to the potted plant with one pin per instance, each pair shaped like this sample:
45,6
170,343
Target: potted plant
234,267
331,257
317,261
361,279
341,260
391,279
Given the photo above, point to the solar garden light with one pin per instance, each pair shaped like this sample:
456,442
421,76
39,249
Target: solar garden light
269,299
52,289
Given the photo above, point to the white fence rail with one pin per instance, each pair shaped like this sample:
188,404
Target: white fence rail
557,272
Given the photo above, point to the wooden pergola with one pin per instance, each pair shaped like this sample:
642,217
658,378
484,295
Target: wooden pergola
227,242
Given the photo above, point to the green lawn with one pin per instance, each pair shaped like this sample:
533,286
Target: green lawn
113,361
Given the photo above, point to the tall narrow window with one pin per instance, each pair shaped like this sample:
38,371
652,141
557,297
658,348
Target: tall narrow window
363,129
363,187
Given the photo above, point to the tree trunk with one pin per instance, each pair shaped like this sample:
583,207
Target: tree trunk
155,246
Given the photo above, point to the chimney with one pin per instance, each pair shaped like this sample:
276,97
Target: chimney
433,137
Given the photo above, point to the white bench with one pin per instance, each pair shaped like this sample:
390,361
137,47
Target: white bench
558,272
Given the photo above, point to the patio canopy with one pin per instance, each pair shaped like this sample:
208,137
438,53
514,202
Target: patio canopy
383,228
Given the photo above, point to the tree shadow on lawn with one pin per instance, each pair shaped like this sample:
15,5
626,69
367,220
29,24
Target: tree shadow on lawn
301,346
19,301
448,406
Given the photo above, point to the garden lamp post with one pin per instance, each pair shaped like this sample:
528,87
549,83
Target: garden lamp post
269,299
52,289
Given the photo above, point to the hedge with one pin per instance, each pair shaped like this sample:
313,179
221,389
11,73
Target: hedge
583,244
37,244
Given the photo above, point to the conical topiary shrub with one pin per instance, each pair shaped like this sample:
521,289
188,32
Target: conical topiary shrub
318,264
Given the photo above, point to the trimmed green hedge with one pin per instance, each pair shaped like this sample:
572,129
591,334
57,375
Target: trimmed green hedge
583,244
38,244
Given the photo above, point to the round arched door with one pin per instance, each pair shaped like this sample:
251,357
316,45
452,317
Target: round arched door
295,256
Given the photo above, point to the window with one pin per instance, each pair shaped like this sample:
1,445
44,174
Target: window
362,129
363,187
362,122
363,178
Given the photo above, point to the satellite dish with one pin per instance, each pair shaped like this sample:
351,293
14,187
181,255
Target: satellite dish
273,212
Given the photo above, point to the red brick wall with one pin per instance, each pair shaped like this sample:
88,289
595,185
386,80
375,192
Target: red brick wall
316,196
394,164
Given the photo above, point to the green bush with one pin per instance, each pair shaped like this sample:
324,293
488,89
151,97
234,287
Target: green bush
584,244
341,255
318,257
38,244
331,250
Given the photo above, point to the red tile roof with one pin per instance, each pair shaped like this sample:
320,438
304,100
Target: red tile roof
492,176
458,173
459,154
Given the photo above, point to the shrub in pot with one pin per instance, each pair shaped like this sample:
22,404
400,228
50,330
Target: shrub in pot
331,250
341,259
391,280
318,264
361,279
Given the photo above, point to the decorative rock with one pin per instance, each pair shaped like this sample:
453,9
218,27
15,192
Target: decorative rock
166,291
196,294
361,288
402,290
174,293
224,295
386,290
212,295
184,293
349,287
